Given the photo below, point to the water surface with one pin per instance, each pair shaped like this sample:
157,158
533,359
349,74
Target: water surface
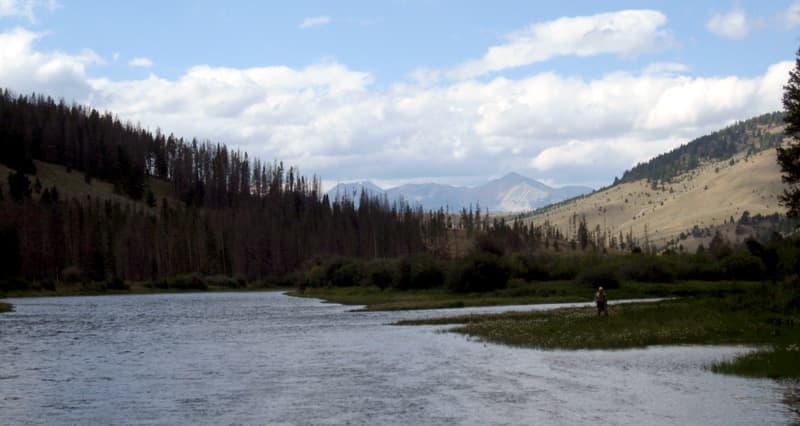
266,358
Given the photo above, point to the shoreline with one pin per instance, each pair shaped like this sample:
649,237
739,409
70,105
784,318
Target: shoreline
131,292
536,293
691,321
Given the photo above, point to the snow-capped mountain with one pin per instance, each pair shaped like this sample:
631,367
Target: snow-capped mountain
511,193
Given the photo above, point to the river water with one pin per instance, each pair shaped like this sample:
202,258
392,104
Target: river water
267,358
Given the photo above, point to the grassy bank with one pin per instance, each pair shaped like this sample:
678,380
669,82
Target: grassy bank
5,307
517,293
758,316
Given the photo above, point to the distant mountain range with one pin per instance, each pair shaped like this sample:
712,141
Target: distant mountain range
511,193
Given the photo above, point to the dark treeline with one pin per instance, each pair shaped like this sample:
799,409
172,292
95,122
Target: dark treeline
94,240
230,215
99,145
750,136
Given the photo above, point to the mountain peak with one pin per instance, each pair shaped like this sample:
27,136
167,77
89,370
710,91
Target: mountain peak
513,176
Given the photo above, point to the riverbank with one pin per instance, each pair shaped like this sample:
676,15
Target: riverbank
518,293
93,289
760,317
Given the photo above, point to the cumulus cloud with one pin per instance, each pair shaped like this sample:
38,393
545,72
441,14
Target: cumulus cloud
140,62
666,68
733,25
330,120
25,69
314,21
624,33
25,8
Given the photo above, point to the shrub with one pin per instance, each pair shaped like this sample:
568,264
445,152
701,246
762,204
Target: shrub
741,265
14,284
334,272
529,268
602,276
225,281
420,272
345,273
646,268
72,275
381,274
187,282
479,272
117,283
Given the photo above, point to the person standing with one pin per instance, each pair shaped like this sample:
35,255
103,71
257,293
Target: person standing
601,300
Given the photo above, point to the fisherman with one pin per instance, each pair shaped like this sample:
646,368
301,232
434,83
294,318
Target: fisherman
602,301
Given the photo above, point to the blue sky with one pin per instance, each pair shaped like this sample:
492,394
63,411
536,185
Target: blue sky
414,91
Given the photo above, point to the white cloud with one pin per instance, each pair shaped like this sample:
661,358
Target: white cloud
140,62
624,33
791,17
25,8
314,21
665,68
732,25
24,69
330,120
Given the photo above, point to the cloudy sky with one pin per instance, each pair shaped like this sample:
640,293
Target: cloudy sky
568,92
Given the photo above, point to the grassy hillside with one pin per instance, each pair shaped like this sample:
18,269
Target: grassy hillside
73,184
750,136
707,196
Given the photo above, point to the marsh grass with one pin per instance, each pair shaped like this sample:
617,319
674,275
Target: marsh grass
754,317
627,326
779,361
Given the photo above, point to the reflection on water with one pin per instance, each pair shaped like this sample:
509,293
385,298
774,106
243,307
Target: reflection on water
266,358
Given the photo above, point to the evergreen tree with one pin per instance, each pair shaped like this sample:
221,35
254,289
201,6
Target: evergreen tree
789,156
19,186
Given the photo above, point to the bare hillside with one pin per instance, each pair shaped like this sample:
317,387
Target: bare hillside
708,196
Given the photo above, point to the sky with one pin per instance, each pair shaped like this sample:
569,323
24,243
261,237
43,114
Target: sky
402,91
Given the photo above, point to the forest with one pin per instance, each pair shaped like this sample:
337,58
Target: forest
193,215
223,214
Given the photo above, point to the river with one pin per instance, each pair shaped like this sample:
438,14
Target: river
267,358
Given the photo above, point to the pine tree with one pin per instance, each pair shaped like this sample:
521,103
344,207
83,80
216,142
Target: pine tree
789,156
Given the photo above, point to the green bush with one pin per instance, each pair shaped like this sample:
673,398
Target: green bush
420,272
529,268
117,283
479,272
381,274
345,273
225,281
647,268
741,265
335,272
72,275
14,284
602,276
187,282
